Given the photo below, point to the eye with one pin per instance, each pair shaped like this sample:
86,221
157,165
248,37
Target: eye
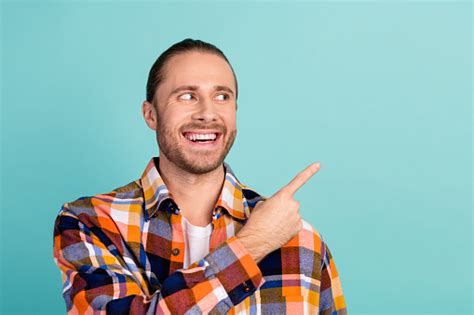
186,96
223,97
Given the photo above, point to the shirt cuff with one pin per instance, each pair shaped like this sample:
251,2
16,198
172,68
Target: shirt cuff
236,270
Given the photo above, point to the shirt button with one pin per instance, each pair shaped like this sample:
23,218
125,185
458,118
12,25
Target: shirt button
174,210
175,251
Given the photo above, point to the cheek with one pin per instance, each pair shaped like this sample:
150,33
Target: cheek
170,119
231,126
231,120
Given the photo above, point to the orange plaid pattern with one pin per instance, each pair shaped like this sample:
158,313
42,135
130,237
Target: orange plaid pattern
122,253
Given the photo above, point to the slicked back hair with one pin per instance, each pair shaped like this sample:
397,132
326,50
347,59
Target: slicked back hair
156,75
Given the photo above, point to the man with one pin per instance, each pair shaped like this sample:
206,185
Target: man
188,237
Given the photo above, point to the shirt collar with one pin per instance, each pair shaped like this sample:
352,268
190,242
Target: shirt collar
155,191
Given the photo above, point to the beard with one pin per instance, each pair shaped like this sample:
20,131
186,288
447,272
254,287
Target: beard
171,144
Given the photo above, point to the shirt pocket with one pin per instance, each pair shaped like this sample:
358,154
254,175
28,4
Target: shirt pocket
295,291
296,304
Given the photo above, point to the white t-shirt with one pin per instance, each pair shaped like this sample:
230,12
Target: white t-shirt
196,241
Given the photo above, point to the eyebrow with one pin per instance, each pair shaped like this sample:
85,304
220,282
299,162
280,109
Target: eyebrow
195,88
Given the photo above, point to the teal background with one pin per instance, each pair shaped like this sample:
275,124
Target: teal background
379,92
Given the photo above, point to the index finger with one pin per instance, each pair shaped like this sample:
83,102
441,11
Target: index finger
301,178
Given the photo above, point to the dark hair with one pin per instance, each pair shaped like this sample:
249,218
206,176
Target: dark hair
156,74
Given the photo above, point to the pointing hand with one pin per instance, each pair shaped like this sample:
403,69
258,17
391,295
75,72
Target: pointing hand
277,220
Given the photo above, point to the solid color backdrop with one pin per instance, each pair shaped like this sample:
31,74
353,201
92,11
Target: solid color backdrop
378,92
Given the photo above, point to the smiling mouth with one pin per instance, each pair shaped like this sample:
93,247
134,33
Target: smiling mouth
202,138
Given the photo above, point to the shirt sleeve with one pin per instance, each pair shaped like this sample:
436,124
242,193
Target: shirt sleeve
97,280
331,298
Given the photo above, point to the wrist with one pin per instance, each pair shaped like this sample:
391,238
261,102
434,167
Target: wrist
253,244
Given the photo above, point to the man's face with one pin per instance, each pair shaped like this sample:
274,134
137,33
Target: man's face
196,108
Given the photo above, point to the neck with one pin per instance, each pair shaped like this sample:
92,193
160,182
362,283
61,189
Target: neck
195,194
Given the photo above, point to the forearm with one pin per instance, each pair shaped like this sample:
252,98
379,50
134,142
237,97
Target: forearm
227,274
256,246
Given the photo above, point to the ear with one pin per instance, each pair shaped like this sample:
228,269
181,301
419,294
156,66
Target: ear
150,115
236,106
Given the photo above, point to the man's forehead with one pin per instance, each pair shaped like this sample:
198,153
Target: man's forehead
198,68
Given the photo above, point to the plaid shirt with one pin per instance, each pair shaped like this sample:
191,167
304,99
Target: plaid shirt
122,253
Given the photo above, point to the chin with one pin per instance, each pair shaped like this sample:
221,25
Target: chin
202,166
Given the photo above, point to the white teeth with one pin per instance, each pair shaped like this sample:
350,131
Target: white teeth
201,136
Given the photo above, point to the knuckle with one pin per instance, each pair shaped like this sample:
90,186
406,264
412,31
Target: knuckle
300,225
282,195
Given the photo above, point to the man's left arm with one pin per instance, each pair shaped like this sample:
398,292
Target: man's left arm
331,298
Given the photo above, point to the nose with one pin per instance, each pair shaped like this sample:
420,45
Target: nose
206,110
